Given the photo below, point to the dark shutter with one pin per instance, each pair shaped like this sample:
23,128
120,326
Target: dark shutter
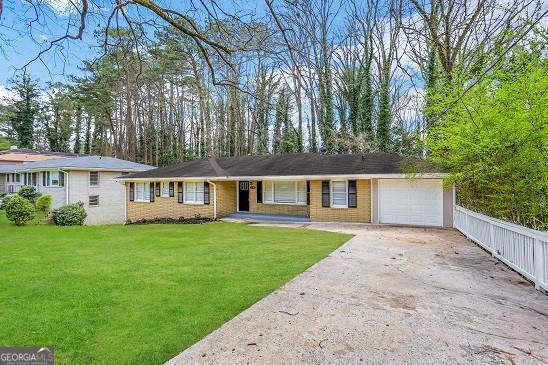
172,189
326,200
307,192
206,192
352,194
61,178
151,192
259,191
158,189
179,192
131,192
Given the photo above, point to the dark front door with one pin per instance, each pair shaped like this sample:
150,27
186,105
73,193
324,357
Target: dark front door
243,196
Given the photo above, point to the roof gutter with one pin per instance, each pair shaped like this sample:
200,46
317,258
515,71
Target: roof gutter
436,175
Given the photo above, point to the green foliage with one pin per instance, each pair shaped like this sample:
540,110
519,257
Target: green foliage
494,141
19,210
25,111
5,199
5,143
43,203
28,192
70,215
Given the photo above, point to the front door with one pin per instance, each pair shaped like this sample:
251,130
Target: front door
243,196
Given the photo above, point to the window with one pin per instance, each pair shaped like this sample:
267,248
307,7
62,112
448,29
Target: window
94,200
339,194
194,192
165,189
53,178
284,192
93,178
142,192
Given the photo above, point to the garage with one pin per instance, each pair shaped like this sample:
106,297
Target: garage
411,201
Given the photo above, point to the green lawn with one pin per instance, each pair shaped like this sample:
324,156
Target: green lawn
140,294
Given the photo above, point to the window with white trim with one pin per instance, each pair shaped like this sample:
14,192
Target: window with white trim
142,192
94,200
53,178
94,178
339,194
194,192
165,189
284,192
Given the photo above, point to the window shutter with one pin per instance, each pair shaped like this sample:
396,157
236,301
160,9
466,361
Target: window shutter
307,192
151,185
352,194
259,191
171,189
131,191
206,192
61,178
157,189
179,192
325,194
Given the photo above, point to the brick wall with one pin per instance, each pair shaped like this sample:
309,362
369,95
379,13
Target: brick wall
360,214
226,203
170,208
280,209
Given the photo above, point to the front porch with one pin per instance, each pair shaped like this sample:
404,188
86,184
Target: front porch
262,217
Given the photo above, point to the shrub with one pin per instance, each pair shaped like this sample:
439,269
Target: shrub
70,215
19,210
43,203
5,200
28,192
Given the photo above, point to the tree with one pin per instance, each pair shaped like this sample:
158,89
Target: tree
25,110
494,139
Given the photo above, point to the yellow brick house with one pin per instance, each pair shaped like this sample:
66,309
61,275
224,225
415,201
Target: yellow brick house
368,188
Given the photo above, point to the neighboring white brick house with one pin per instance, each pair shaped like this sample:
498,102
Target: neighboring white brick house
89,179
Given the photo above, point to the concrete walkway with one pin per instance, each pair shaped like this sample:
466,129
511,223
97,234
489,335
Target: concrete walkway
390,295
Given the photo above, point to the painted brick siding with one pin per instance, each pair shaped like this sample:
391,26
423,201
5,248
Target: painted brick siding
110,192
170,208
360,214
281,209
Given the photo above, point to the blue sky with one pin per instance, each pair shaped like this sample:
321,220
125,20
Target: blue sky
58,65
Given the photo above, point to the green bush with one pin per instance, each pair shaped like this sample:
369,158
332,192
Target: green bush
5,200
28,192
43,203
70,215
19,210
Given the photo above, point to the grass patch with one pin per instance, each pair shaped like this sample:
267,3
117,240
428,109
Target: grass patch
140,294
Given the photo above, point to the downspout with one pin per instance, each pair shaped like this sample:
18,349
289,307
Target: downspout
214,198
66,185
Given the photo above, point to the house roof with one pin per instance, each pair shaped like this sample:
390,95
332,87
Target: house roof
303,164
21,155
77,163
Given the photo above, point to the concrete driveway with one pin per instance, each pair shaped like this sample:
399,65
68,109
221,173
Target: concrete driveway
390,295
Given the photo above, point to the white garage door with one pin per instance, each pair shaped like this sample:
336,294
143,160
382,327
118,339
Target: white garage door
411,201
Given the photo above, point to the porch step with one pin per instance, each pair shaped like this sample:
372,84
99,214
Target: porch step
258,217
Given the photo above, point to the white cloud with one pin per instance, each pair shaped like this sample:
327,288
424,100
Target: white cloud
6,94
62,7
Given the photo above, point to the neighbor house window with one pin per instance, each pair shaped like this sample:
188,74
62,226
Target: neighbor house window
93,178
194,192
284,192
94,200
142,192
53,178
339,194
165,189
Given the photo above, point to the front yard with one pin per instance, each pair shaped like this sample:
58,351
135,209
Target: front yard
140,294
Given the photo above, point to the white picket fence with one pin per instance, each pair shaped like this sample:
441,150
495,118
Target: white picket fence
524,250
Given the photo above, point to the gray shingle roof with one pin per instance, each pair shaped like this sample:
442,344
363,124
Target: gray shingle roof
85,162
303,164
